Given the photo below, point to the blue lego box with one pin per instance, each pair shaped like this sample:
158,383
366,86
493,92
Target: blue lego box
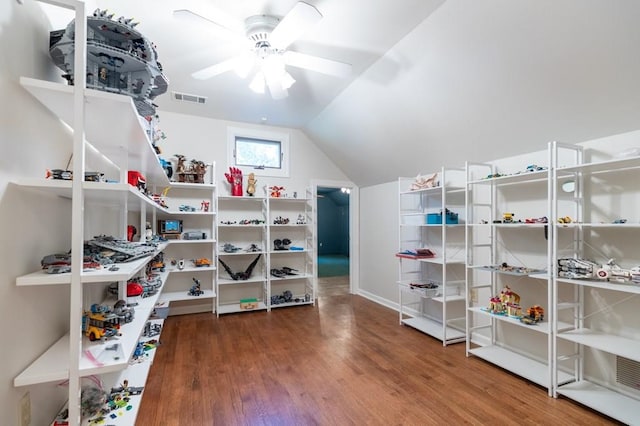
436,218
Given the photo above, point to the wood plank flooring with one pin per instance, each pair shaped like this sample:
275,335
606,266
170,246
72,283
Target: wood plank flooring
345,361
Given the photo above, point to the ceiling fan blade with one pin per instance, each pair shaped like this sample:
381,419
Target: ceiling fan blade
315,63
237,64
294,24
230,33
275,87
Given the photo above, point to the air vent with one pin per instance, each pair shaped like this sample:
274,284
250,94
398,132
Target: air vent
185,97
628,372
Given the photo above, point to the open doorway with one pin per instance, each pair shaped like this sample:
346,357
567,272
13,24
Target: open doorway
333,241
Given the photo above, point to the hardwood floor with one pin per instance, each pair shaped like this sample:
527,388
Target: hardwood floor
344,362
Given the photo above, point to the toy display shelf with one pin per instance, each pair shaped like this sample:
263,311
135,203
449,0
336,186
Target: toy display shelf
136,374
531,369
100,193
243,198
597,225
435,190
291,277
53,365
442,261
289,251
203,241
190,185
534,273
434,328
191,269
124,272
287,304
541,327
183,213
615,165
174,296
605,285
539,175
288,225
230,308
115,128
229,281
604,400
241,253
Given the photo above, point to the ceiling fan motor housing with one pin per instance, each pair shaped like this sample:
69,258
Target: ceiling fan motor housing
259,27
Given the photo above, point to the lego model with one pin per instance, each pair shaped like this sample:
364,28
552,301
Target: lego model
202,262
241,276
586,269
195,288
193,173
234,177
119,59
100,326
251,184
281,244
422,182
276,191
535,314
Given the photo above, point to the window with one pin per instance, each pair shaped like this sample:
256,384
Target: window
260,152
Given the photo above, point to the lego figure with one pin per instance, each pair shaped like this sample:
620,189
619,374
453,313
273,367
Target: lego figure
251,184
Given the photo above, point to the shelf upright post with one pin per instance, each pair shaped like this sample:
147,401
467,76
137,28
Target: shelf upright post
77,206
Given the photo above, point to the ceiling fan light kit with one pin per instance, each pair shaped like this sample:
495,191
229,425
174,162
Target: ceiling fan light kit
269,38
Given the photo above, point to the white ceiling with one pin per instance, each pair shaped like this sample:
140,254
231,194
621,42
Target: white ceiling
434,82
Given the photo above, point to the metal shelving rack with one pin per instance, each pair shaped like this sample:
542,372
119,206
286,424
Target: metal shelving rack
600,348
437,312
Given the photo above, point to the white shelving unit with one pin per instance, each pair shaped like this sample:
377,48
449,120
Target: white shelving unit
241,223
301,256
198,215
601,348
109,124
510,255
438,312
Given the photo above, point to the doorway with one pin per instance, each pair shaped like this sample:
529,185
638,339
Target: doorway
335,219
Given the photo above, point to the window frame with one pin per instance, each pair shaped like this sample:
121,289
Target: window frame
234,133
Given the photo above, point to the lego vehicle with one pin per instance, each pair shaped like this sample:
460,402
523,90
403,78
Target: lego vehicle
202,262
507,217
98,326
195,288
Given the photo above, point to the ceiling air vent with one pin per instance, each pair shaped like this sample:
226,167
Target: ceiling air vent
185,97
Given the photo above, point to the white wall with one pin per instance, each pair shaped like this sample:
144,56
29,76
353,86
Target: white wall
205,139
34,225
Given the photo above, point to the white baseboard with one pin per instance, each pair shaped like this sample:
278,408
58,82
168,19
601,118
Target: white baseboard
379,300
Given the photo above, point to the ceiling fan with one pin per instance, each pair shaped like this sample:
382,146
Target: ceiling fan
266,39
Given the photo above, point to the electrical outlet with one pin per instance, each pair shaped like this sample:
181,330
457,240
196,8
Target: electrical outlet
25,410
474,295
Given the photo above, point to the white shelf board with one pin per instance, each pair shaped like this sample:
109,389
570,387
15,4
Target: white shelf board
291,277
536,272
433,328
286,199
190,185
284,305
183,213
191,269
228,281
94,192
240,253
289,225
617,345
522,177
452,298
116,130
235,307
288,251
203,241
174,296
609,225
53,365
530,369
441,261
606,401
124,272
627,287
242,198
541,327
614,165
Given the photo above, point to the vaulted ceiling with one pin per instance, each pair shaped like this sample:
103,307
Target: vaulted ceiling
434,82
